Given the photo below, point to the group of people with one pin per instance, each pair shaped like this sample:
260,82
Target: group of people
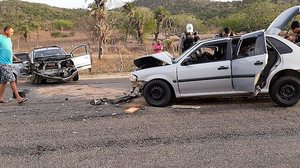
188,39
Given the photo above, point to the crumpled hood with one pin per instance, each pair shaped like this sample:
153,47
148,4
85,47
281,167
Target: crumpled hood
53,58
282,20
154,60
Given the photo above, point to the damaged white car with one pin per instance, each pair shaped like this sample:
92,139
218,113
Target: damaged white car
54,64
258,62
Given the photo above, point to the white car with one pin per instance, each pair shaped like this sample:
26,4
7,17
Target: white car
52,63
257,62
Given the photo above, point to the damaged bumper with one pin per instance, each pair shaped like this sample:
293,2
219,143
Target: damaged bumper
56,78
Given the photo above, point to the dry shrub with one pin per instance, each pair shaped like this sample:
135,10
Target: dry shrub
113,64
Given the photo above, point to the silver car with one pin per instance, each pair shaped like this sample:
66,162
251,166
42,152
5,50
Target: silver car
52,63
257,62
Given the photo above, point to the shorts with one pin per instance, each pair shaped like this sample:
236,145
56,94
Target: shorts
6,73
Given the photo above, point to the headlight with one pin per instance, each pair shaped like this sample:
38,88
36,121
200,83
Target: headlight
133,78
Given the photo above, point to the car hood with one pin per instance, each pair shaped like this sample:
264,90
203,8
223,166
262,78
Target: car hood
282,20
158,59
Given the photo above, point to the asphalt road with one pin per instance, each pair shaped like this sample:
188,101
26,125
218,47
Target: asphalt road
59,128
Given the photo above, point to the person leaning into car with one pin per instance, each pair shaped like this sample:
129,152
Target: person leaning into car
295,27
6,72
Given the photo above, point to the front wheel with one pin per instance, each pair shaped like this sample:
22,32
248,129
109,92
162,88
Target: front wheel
76,77
285,91
158,93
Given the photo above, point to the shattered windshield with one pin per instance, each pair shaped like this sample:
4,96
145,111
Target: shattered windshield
49,52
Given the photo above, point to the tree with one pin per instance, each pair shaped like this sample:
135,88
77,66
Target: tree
180,21
128,10
62,24
28,27
100,27
140,16
160,14
253,17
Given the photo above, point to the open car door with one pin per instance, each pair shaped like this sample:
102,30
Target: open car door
81,57
249,61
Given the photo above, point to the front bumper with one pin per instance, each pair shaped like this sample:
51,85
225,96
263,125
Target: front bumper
56,78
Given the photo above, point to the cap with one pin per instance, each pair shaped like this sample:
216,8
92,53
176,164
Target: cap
189,28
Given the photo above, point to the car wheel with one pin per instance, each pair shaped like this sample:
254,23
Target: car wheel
285,91
157,93
76,77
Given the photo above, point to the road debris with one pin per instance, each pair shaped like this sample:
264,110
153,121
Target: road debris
116,101
131,110
186,107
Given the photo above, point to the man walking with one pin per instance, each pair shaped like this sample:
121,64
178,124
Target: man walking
6,60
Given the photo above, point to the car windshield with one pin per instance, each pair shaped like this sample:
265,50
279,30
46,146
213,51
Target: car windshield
50,52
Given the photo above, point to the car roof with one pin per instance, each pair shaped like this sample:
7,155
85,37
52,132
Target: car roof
46,48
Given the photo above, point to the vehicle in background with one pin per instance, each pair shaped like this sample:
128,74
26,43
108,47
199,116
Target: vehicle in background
53,64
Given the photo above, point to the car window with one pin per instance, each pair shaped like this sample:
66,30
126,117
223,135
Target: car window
49,52
210,53
251,47
80,51
280,46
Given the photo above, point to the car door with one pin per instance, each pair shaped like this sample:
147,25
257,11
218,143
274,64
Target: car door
249,61
22,67
205,76
81,57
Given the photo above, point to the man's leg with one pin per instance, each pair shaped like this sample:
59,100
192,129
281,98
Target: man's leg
14,88
2,89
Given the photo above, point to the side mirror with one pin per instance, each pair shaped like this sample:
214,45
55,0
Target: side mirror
188,61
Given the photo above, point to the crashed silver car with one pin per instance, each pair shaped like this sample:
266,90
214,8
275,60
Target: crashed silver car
257,62
54,64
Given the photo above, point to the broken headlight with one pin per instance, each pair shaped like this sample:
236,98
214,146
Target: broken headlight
133,78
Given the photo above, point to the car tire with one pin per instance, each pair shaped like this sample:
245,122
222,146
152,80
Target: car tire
158,93
76,77
285,91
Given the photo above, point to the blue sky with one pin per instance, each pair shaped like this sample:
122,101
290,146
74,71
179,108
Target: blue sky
72,3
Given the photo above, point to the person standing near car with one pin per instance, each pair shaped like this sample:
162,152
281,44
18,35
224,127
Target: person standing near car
157,47
6,60
187,39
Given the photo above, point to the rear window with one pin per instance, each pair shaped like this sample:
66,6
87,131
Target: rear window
280,46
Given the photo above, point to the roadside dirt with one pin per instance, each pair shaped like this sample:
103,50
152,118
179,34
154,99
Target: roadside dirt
53,131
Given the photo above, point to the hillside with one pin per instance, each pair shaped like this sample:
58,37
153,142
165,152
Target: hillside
204,9
18,13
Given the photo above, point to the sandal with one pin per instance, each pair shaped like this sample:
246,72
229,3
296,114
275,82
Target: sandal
23,101
3,101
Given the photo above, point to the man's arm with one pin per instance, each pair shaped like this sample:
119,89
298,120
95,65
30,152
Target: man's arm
16,59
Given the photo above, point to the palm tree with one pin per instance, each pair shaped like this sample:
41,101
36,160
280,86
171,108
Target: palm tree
100,27
160,14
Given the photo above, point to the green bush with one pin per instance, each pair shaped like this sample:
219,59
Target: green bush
57,34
